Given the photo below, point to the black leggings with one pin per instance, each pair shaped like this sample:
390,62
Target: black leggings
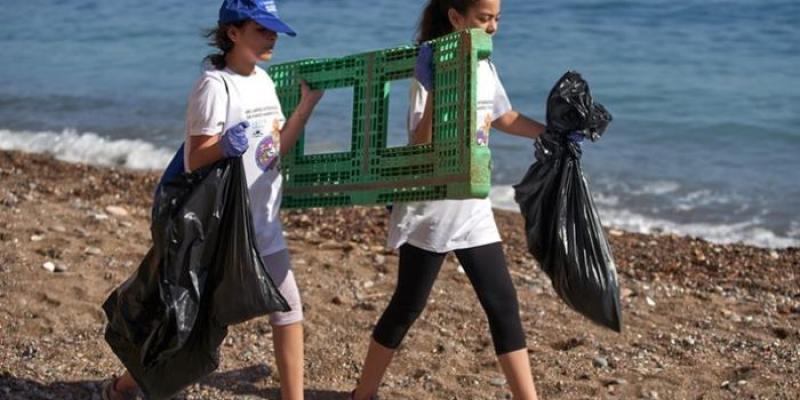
486,268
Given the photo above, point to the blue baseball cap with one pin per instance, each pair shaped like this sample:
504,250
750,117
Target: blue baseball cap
263,12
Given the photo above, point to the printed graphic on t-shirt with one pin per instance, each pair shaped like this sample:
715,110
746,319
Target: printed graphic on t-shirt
485,126
483,131
266,125
261,112
268,151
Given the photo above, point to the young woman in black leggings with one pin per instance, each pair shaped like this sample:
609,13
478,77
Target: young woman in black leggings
426,231
486,268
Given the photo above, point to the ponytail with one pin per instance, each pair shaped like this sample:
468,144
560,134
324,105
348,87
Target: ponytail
219,39
435,21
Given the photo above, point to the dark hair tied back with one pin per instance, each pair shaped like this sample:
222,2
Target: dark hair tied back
435,22
219,39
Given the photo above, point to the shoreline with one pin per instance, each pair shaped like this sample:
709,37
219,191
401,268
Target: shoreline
700,320
502,203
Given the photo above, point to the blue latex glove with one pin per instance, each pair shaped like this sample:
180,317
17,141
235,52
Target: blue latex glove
576,137
423,70
234,141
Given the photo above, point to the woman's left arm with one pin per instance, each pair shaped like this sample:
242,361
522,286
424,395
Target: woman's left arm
294,125
517,124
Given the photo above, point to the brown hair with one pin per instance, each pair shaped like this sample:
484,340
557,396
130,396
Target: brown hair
219,39
435,22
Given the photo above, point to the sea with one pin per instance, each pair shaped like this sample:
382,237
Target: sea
705,94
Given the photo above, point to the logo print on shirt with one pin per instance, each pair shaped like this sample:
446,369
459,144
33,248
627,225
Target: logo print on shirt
483,131
268,150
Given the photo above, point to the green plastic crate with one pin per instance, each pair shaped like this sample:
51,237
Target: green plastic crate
452,166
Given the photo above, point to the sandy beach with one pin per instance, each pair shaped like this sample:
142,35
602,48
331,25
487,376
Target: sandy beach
701,321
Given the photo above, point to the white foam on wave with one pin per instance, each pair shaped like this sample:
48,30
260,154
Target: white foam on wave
656,188
794,228
91,148
503,198
749,232
88,148
605,199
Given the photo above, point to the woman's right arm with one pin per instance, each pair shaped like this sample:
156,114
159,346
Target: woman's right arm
423,134
423,74
208,149
205,119
204,150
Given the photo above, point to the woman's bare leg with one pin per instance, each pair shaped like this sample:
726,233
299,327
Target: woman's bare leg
288,344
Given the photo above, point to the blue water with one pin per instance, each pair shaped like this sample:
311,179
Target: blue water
705,93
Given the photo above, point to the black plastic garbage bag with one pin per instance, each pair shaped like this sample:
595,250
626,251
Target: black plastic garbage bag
164,322
173,170
561,223
245,290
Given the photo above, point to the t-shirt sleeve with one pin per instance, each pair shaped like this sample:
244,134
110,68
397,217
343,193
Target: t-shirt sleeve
207,109
416,105
501,103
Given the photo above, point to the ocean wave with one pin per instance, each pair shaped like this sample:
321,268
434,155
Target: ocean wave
88,148
91,148
657,188
794,229
751,232
670,194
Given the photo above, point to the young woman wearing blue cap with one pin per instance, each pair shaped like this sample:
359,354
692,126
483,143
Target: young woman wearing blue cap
237,97
426,231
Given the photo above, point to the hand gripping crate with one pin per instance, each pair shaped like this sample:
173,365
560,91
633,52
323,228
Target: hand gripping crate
453,166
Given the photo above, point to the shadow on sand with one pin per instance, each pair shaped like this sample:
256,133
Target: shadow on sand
240,383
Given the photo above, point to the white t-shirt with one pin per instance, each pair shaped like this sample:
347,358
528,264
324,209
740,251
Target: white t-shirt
214,108
445,225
